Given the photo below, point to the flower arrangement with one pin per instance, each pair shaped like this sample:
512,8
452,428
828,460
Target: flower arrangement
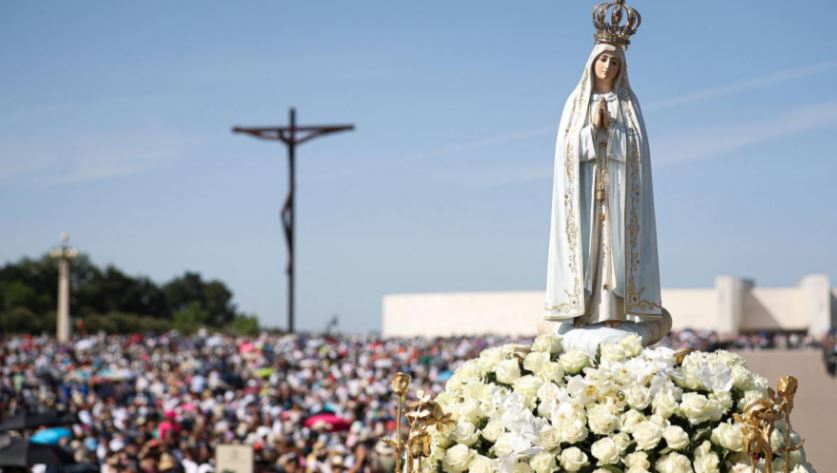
629,409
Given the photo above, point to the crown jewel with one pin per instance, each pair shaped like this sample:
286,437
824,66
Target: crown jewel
610,27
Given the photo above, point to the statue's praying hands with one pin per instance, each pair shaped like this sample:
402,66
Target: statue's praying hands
601,116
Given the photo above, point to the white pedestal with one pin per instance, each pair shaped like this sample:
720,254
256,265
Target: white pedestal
651,329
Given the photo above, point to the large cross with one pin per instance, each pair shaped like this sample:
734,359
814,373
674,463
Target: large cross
291,136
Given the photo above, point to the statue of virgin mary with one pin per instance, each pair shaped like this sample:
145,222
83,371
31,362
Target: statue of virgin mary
603,266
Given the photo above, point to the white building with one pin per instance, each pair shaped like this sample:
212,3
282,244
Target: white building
734,305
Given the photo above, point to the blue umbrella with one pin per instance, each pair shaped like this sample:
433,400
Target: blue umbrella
51,436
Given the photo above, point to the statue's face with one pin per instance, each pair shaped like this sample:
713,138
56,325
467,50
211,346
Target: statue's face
606,67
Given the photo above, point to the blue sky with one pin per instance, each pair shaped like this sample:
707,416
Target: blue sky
115,125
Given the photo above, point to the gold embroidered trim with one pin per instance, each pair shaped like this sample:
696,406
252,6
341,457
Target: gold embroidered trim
634,302
574,303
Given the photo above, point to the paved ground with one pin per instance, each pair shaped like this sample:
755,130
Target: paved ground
815,412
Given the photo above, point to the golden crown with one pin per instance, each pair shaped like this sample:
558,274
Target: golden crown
615,23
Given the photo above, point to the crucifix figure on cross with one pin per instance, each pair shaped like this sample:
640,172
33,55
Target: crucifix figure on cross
291,136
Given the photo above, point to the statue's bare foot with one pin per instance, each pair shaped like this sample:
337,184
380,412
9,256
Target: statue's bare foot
578,322
612,323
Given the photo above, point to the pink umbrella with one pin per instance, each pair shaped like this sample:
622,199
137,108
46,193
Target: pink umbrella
327,422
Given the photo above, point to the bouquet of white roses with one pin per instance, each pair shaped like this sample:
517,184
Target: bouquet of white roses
628,410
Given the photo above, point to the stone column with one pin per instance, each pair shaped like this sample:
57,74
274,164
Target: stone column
817,296
730,292
63,332
63,254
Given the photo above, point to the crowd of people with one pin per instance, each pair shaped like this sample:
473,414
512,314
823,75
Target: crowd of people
709,340
305,403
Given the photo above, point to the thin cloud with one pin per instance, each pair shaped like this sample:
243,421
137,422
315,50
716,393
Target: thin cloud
76,160
700,96
470,146
745,86
711,142
696,145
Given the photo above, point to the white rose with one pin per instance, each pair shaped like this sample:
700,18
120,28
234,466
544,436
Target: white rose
601,419
665,403
729,436
441,438
777,439
612,352
507,371
527,386
481,464
659,420
454,384
543,462
622,441
629,420
687,377
478,391
632,345
674,463
471,411
547,343
637,460
704,370
491,355
470,370
729,358
647,435
493,429
548,393
742,378
444,399
723,398
574,361
550,439
748,397
676,437
708,463
573,459
638,397
521,468
797,457
760,383
605,450
535,361
741,467
636,470
552,372
699,409
573,430
489,358
465,433
457,458
504,444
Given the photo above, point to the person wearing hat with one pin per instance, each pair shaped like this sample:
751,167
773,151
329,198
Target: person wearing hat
167,464
316,460
337,464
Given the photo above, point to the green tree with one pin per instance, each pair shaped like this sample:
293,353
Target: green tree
190,318
111,300
213,297
244,325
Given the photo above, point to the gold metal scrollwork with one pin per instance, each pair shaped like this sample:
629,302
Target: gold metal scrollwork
423,413
758,422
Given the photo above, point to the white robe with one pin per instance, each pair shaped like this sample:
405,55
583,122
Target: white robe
607,271
602,158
